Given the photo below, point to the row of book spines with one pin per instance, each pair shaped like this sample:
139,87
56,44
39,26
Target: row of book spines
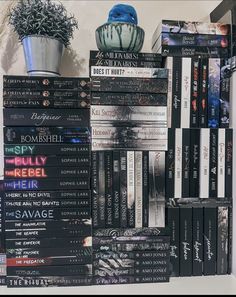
199,93
124,184
201,158
201,240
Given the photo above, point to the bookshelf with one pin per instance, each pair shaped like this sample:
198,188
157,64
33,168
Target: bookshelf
216,285
196,285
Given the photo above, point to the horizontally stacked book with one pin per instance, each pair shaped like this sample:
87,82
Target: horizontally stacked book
182,38
199,157
47,181
129,140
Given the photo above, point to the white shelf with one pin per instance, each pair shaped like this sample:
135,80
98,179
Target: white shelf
211,285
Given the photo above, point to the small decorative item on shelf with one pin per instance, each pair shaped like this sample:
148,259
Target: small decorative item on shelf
45,29
121,32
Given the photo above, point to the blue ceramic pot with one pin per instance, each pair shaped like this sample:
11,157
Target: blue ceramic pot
120,36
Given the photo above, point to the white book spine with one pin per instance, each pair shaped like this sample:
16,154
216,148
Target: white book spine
186,93
178,163
204,162
138,189
221,164
130,186
169,65
141,72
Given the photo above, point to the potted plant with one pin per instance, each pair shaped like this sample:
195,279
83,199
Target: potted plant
44,29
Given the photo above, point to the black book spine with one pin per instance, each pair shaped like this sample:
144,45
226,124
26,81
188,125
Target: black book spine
194,93
95,189
176,92
230,231
45,83
170,164
228,162
197,241
214,93
213,162
47,149
101,190
50,117
190,51
203,93
47,103
123,189
145,188
116,188
108,188
186,241
222,239
109,98
194,162
124,63
185,163
224,95
73,183
147,57
17,214
48,281
210,242
174,225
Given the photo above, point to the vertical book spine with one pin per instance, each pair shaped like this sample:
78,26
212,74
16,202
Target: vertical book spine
204,162
145,188
213,162
116,188
173,223
197,241
186,93
209,266
123,189
221,164
222,240
178,163
138,189
194,93
185,163
170,164
101,191
176,92
214,93
185,241
130,189
108,188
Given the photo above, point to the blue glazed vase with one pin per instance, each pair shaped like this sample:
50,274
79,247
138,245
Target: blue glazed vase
120,36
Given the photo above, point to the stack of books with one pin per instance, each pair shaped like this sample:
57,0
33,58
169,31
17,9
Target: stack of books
124,256
129,141
3,264
181,38
47,195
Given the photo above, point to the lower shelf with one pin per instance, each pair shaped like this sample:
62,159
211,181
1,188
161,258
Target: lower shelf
210,285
